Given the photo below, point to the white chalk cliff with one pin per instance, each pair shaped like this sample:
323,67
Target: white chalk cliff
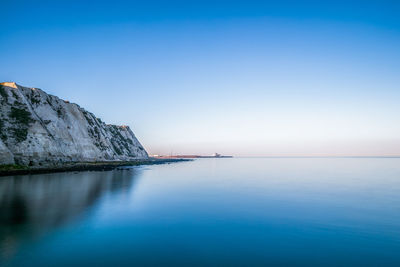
41,129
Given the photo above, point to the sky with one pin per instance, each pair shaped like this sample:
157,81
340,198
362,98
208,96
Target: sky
242,78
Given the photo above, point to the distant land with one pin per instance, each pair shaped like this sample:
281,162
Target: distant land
215,155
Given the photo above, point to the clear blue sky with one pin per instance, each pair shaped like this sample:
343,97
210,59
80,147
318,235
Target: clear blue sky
247,78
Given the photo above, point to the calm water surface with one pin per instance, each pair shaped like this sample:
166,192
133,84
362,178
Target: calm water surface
226,212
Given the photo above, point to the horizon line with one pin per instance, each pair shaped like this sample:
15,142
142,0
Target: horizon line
397,156
304,156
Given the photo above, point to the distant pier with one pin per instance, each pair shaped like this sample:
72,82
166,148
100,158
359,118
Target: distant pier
215,155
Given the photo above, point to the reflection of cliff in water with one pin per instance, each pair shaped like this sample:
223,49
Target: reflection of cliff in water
33,204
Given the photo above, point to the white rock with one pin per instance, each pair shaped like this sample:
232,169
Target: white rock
41,129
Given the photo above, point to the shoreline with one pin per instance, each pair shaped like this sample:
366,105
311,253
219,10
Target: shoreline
81,166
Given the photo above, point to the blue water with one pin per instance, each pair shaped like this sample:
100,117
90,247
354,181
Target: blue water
208,212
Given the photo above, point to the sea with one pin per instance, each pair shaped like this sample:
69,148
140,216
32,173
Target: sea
207,212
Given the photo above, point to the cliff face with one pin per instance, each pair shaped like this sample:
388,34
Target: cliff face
41,129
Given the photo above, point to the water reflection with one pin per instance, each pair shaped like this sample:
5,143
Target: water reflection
208,212
32,205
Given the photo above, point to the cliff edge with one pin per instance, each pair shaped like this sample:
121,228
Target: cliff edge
38,129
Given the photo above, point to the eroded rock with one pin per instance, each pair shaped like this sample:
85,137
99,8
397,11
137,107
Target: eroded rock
40,129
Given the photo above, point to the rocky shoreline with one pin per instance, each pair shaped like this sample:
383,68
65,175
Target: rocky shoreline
9,170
